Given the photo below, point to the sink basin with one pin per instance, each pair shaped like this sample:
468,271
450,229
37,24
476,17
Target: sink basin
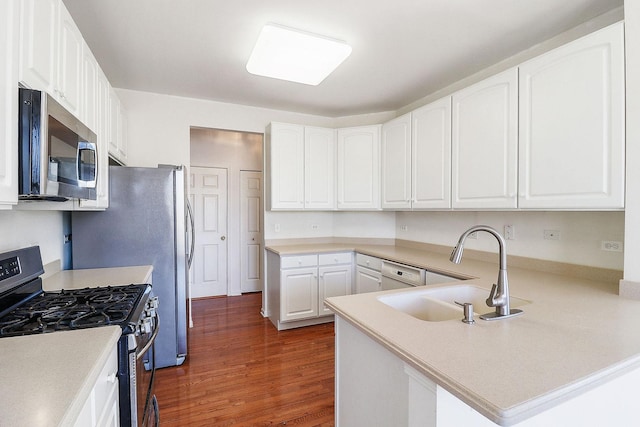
437,305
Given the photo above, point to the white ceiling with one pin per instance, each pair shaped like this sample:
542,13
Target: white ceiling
403,50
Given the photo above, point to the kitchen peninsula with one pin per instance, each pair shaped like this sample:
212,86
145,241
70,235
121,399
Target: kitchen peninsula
575,344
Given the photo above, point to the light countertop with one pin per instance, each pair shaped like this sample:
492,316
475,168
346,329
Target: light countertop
46,378
94,277
575,334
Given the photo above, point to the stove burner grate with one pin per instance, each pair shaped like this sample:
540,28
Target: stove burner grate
72,309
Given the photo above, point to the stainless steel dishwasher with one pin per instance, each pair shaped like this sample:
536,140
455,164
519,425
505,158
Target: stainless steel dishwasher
400,276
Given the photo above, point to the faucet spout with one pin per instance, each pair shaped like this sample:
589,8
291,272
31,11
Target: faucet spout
499,296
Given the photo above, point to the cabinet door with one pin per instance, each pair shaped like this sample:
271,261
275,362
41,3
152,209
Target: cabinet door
8,104
39,43
319,168
396,163
285,148
117,129
431,155
485,145
572,125
333,281
359,168
298,294
367,280
89,109
69,63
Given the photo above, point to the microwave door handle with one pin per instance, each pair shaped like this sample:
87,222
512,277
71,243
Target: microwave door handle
87,146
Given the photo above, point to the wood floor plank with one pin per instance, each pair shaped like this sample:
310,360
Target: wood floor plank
241,371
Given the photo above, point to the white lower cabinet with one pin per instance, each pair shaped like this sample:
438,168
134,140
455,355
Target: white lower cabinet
368,275
299,294
101,408
298,285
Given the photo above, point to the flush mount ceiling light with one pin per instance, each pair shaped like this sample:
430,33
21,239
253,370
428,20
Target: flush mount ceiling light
294,55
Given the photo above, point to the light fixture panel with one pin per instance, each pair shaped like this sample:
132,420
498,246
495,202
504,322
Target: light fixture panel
294,55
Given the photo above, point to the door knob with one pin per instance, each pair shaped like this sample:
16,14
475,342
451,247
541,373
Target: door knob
223,238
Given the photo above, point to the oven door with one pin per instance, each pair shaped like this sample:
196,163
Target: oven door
147,405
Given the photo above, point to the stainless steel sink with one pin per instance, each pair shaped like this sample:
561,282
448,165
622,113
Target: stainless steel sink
438,304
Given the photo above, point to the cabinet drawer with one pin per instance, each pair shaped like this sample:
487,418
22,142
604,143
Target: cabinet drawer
298,261
336,258
107,383
369,262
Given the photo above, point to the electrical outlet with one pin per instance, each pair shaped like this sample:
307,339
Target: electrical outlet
404,228
314,226
551,234
510,232
611,246
276,228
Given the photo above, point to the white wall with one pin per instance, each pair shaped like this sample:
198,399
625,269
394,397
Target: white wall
158,125
294,225
20,229
580,233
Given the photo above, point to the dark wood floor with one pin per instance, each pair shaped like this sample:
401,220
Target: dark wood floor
241,371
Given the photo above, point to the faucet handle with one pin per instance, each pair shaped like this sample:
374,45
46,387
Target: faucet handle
490,301
468,312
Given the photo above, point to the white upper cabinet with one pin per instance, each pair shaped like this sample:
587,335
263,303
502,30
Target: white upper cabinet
8,104
319,168
285,162
431,155
485,143
572,143
51,52
359,168
69,86
117,129
301,161
396,163
90,70
39,43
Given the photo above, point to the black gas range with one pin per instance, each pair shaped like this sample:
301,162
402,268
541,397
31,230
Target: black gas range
26,309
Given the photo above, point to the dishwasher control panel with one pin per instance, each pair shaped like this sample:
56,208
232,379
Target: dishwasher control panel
412,276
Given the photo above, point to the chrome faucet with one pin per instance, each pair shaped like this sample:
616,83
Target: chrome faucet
499,295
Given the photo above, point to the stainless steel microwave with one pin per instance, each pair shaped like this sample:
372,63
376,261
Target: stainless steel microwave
57,153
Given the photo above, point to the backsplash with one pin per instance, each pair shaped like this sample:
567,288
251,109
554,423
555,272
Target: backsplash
579,239
28,228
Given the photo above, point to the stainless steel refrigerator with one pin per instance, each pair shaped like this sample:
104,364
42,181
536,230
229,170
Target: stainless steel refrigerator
145,224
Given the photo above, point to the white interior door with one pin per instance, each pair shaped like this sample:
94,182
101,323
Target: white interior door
250,231
209,196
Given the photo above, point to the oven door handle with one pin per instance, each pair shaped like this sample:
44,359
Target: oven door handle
153,338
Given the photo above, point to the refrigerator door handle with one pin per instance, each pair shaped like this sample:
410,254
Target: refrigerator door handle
193,233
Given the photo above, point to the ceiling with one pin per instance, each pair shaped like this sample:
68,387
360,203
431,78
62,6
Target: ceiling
403,50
